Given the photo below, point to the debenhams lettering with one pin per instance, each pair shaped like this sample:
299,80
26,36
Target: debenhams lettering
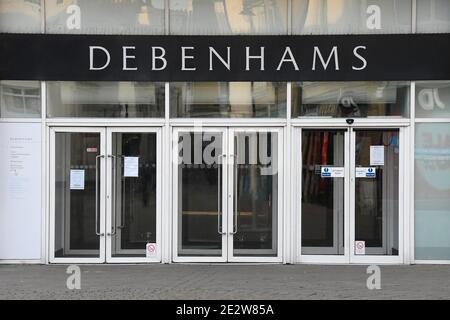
254,58
390,57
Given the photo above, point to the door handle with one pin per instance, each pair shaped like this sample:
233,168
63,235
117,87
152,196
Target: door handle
113,195
122,209
97,232
219,194
235,208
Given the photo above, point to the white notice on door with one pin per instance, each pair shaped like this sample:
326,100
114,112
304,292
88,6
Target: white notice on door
377,155
150,250
76,179
360,247
131,167
332,172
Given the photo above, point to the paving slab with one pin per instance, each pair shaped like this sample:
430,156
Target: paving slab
221,282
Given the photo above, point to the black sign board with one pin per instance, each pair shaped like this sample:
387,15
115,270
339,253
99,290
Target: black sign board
224,58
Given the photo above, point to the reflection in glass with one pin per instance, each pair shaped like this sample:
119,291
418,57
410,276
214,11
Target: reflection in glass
256,194
20,99
350,99
20,16
105,16
322,197
433,16
228,99
351,16
200,180
75,201
433,99
376,198
134,199
105,99
432,191
226,17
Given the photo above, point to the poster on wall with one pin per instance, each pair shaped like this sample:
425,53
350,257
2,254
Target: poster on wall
20,191
432,191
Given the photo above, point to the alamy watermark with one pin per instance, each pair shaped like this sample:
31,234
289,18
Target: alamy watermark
198,147
73,281
374,280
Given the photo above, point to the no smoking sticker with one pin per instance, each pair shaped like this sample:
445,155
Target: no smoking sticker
150,250
360,247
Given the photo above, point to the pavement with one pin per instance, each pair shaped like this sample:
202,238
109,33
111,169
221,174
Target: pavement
221,282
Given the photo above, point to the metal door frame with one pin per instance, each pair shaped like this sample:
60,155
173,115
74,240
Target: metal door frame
349,197
176,235
231,197
227,195
101,214
110,197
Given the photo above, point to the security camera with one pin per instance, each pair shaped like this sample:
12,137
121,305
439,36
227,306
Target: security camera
350,121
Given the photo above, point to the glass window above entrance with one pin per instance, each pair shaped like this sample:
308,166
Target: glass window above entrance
433,99
350,99
433,16
21,16
226,17
104,16
351,16
20,99
105,99
228,100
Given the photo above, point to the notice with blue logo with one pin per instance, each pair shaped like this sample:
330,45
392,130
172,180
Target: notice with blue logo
365,172
332,172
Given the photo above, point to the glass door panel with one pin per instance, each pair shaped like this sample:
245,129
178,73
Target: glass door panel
132,222
376,191
200,193
227,205
323,183
256,182
350,199
77,188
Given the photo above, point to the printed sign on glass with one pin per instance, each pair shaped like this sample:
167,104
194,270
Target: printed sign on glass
131,167
365,172
360,247
332,172
150,250
377,155
76,179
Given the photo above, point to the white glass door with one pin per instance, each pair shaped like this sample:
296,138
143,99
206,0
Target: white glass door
133,195
77,193
324,179
351,195
199,197
105,195
376,222
255,195
226,196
